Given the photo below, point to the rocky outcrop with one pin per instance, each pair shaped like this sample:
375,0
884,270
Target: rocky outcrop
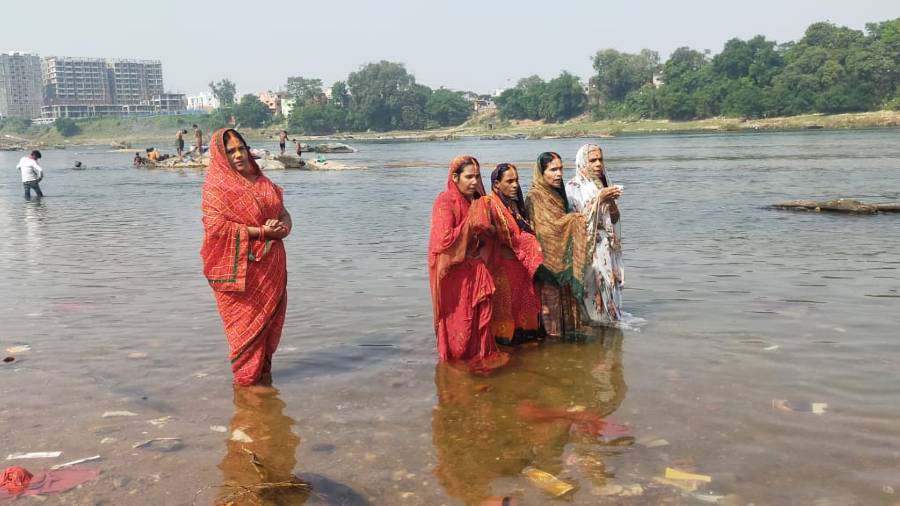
839,206
334,147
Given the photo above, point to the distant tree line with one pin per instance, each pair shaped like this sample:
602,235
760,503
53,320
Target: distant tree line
379,96
831,69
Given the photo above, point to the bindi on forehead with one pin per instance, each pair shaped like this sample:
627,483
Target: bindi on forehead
233,142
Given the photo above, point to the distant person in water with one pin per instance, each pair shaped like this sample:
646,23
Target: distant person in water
282,140
137,161
179,142
244,260
461,286
32,174
198,140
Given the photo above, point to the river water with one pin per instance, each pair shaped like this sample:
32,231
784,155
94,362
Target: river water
744,306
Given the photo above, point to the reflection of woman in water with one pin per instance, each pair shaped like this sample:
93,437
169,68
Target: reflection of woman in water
489,428
259,414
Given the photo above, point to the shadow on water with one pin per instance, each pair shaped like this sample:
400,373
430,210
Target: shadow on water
544,410
258,467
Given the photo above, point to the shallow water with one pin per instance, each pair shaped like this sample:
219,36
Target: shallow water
102,279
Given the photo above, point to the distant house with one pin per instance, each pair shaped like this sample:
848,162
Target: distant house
287,105
202,102
483,102
272,100
657,80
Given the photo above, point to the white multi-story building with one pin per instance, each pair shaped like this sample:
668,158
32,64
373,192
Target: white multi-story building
202,102
21,94
135,81
89,87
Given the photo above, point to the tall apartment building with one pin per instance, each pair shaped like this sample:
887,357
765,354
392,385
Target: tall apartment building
21,95
89,87
135,81
76,81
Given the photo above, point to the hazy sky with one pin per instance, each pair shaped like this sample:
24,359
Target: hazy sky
462,44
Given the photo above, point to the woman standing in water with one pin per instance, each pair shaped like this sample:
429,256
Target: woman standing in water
591,194
513,255
244,260
461,286
563,237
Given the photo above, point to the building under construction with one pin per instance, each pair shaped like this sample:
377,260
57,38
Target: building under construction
21,95
91,87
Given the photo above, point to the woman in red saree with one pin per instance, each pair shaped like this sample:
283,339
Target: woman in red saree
461,286
512,254
244,220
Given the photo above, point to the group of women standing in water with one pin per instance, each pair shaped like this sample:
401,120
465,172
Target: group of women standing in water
505,270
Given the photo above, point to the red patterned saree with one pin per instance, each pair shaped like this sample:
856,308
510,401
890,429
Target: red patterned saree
461,286
512,257
248,277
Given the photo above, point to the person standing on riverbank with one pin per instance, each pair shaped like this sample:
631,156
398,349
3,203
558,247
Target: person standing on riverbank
591,194
32,174
198,140
461,286
179,142
282,140
244,259
563,236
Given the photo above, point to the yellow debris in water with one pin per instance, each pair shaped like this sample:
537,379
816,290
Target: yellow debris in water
687,486
547,482
675,474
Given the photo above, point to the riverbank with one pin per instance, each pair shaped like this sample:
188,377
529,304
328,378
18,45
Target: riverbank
159,131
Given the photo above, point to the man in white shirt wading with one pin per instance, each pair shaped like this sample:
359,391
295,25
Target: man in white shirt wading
32,173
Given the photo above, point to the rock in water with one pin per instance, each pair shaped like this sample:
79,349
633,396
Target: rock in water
334,147
839,206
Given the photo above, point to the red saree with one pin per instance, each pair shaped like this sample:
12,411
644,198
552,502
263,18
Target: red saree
461,286
248,278
512,257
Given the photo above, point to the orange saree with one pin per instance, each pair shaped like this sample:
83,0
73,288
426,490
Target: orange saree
248,277
512,256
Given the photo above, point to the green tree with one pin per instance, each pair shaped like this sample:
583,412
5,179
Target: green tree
224,91
305,90
618,74
340,95
384,96
445,107
17,125
318,119
66,127
563,98
523,101
251,112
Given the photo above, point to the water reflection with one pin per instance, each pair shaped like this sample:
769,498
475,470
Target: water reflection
489,428
35,220
262,449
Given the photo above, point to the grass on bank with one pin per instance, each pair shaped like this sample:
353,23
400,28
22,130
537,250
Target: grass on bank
160,130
